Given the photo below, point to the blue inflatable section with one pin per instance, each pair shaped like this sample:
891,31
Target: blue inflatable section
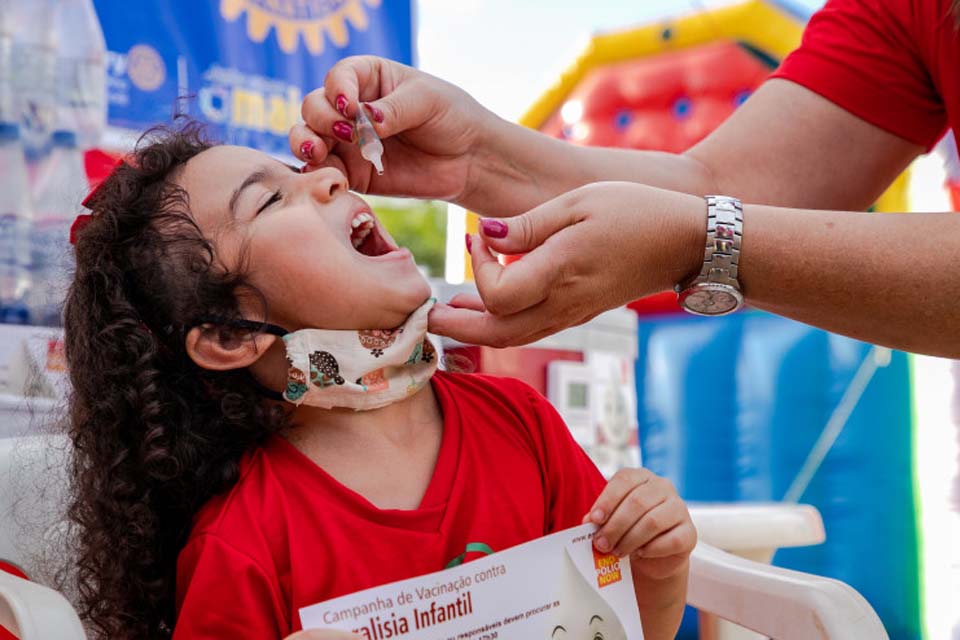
730,407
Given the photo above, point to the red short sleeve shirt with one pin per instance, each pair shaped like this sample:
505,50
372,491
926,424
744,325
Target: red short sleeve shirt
288,535
893,63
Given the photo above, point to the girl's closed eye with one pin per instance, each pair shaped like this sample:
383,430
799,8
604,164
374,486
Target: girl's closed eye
276,197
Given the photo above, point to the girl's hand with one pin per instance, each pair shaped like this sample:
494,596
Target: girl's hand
640,515
430,129
589,250
323,634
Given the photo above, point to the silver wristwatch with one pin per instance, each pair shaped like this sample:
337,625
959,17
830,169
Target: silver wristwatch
715,291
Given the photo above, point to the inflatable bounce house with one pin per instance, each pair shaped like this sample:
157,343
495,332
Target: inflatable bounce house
753,407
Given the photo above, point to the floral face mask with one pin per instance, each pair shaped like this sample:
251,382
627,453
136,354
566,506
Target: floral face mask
356,369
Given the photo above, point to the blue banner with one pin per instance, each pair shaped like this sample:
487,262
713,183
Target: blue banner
243,66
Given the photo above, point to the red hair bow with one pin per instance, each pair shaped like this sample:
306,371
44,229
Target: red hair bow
99,166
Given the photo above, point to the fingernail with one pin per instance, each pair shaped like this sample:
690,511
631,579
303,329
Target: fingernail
597,515
375,113
601,544
342,103
306,150
493,228
469,241
343,130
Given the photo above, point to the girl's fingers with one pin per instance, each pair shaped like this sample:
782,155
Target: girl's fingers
679,540
631,511
654,522
622,483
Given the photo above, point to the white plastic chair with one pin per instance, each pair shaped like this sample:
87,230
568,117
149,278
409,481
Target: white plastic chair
33,612
27,609
778,603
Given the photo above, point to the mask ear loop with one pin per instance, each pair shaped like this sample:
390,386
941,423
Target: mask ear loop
246,325
253,327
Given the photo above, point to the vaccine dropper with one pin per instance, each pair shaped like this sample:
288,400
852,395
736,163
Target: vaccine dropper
370,146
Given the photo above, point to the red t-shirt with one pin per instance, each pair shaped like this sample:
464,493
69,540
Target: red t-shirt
288,535
893,63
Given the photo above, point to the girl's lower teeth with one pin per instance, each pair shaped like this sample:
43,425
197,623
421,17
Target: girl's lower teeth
360,236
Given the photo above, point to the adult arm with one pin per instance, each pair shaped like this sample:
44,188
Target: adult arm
883,278
786,145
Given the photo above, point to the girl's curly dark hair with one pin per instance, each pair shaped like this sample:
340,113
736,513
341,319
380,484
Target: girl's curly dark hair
154,435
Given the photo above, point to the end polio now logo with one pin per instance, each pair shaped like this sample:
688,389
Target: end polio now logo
314,20
608,568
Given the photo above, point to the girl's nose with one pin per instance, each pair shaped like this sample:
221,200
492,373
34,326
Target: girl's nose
327,183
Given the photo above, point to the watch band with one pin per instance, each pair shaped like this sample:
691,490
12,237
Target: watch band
724,233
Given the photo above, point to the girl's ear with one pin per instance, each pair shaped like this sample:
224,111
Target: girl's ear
220,349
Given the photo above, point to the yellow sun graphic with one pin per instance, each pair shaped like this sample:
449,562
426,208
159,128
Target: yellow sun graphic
313,19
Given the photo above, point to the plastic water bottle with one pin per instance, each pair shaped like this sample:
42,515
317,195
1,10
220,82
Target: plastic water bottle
34,61
81,72
7,110
59,190
16,216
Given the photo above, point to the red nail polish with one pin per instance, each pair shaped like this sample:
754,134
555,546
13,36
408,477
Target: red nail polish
375,113
469,242
343,130
306,150
342,103
493,228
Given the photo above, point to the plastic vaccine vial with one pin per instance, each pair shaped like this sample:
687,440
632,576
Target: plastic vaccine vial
370,146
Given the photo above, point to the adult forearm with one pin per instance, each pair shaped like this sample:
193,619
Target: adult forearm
517,169
883,278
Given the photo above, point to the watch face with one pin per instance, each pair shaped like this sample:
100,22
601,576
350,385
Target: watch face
711,302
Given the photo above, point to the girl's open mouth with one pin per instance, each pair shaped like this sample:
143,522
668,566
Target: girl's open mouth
366,238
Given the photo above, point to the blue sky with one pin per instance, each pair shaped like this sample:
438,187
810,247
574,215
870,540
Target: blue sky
506,52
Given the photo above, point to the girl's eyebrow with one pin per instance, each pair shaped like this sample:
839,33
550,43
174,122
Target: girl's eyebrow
256,177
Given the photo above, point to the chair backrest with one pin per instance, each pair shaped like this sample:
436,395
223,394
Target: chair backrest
33,488
32,498
34,612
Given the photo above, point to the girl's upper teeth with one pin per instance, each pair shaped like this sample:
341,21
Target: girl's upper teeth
360,219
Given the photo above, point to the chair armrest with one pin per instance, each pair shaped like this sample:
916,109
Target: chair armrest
34,612
744,527
778,603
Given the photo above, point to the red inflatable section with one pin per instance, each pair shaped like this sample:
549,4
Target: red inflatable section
667,102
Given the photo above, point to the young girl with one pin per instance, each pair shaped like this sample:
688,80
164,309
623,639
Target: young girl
257,422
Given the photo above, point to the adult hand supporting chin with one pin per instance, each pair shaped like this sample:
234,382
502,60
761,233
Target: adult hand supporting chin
587,251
